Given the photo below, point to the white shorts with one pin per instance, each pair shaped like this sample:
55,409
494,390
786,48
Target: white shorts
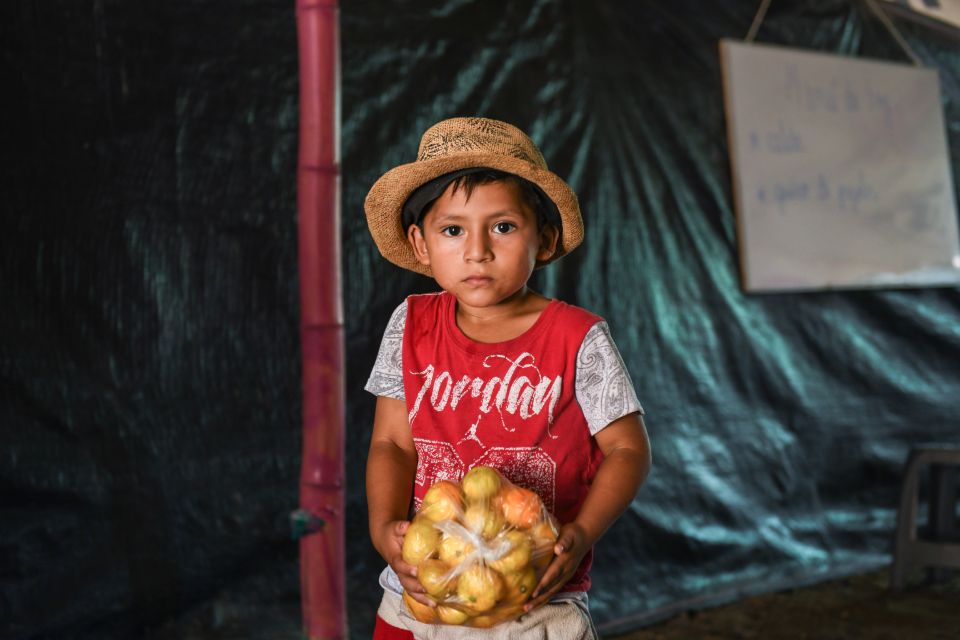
555,620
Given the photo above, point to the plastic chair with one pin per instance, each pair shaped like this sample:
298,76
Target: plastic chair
939,546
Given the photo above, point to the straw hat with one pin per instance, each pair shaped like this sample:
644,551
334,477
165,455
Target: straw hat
461,143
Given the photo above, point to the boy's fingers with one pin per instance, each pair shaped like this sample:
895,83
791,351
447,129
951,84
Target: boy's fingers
404,569
422,598
564,542
546,580
553,579
416,591
411,584
538,600
401,527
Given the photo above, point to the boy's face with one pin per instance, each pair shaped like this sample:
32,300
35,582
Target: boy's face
484,249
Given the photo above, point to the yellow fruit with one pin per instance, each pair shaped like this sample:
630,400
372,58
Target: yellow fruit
518,557
500,615
519,585
421,612
481,484
420,542
483,521
480,587
443,501
453,550
540,559
542,536
521,508
451,615
485,622
432,574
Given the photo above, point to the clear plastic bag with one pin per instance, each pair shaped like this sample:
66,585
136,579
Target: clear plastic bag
480,548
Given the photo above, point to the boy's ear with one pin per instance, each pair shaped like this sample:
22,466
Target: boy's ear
415,238
549,236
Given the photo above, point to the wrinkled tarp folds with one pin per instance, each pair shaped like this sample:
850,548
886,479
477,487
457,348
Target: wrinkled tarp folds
779,423
149,335
149,358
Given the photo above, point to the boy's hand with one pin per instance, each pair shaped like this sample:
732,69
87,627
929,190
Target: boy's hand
390,545
569,550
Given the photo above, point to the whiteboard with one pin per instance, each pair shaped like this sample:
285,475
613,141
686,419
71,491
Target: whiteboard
841,175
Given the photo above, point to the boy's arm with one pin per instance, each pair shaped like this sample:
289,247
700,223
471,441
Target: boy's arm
391,466
626,463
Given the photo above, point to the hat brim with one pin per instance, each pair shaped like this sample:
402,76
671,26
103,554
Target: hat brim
384,203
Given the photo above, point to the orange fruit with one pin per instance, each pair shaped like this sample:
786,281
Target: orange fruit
518,585
420,542
421,612
543,536
480,587
518,555
485,522
485,621
433,575
481,483
454,549
443,501
451,615
521,507
502,614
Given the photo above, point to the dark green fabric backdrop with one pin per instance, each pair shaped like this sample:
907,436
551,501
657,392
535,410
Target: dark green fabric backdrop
149,356
779,423
149,331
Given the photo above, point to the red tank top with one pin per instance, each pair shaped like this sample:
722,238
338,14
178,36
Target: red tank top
509,405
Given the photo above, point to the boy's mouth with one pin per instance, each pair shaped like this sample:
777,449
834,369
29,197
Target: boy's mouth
477,281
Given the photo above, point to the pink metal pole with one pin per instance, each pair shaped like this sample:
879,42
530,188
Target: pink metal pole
322,572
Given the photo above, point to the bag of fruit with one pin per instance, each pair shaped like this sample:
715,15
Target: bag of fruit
480,548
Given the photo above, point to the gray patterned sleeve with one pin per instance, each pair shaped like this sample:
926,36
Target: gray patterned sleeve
603,386
386,379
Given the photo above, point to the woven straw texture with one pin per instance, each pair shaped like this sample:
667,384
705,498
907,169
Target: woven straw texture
459,143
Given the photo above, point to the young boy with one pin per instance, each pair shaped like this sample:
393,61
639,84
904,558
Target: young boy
488,372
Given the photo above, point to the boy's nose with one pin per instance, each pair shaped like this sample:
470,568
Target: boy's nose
478,248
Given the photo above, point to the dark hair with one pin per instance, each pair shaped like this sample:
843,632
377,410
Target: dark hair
416,209
469,182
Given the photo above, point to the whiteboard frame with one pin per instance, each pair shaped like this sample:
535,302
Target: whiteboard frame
947,277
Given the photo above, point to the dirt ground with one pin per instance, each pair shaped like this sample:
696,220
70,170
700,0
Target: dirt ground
857,607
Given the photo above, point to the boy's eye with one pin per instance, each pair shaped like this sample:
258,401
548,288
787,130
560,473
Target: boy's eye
504,227
452,231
